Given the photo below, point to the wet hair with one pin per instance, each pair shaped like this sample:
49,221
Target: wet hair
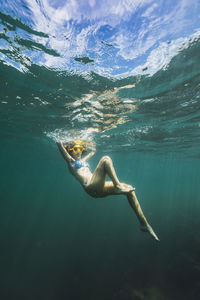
71,144
68,146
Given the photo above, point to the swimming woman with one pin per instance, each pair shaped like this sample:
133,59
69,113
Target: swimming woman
95,184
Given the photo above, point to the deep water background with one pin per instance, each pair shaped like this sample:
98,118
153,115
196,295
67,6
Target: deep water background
125,77
59,243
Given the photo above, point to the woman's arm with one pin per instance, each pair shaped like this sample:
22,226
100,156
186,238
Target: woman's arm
89,155
64,152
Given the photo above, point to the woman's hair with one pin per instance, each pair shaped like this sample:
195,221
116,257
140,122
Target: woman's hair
71,144
68,146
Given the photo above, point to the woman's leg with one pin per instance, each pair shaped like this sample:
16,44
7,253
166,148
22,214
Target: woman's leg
105,167
99,187
134,203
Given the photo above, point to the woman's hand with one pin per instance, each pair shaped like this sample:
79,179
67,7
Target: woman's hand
64,152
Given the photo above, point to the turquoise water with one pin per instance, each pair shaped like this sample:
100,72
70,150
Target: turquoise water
120,76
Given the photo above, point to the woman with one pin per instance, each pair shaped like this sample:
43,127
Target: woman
95,184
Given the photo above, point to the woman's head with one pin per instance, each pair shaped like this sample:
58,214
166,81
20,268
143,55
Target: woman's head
76,148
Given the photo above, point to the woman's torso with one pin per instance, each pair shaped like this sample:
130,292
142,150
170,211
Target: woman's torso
81,171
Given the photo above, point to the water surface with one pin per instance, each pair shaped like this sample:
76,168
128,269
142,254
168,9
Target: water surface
126,78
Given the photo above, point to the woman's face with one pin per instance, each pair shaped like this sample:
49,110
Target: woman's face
76,156
76,151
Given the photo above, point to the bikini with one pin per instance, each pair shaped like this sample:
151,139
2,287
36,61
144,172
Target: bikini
78,164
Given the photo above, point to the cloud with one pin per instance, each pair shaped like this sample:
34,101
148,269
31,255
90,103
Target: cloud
64,21
160,57
78,28
130,48
79,10
149,11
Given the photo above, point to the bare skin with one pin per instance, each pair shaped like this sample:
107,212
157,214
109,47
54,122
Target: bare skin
95,183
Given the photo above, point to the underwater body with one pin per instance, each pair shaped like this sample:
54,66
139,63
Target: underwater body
125,77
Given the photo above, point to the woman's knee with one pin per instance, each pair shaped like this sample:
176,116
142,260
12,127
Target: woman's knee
106,159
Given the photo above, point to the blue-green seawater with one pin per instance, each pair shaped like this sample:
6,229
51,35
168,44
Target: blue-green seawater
57,242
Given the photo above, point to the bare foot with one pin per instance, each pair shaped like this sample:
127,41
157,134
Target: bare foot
148,228
124,189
